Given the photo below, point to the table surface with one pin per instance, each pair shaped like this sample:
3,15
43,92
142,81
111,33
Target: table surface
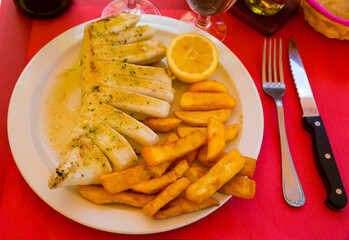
23,215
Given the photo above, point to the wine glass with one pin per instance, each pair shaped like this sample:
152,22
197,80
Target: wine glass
131,6
205,16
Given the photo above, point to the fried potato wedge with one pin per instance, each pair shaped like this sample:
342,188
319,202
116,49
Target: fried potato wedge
202,157
240,187
165,124
120,181
215,138
155,185
226,168
248,170
200,118
168,194
230,131
182,205
208,86
154,155
185,130
190,157
171,138
194,173
237,186
98,195
158,170
180,168
203,101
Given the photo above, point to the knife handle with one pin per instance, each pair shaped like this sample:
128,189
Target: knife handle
326,164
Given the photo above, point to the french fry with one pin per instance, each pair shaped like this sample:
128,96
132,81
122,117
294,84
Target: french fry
158,170
155,185
171,138
185,130
230,131
120,181
203,101
98,195
154,155
182,205
202,157
240,187
180,168
237,186
208,86
168,194
215,138
190,157
226,168
164,124
200,118
248,170
194,173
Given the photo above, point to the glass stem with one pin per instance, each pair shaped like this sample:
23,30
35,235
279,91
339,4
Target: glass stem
131,6
203,21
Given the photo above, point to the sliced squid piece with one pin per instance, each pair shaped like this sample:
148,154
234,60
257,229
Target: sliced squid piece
143,53
133,102
132,35
110,142
146,87
113,24
83,162
120,121
128,69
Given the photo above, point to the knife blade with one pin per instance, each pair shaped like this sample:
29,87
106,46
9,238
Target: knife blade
312,122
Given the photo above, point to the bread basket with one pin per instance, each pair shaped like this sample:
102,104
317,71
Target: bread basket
329,17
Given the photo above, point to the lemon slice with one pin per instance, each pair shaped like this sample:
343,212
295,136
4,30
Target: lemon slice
192,57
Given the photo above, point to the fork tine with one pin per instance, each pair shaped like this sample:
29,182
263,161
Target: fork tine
281,70
274,63
269,63
264,74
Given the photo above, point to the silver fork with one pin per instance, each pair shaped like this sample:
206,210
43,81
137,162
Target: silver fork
291,186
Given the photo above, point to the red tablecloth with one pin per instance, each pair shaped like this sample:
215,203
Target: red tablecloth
23,215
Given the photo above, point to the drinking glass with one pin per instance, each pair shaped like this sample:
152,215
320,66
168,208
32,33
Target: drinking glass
130,6
205,16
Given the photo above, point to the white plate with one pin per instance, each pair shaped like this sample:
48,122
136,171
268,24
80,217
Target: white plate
35,159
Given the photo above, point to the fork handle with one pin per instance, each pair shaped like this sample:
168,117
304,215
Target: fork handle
291,186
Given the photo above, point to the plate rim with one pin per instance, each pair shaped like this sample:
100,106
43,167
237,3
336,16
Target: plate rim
74,32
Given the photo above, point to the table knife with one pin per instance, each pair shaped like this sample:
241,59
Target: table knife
312,122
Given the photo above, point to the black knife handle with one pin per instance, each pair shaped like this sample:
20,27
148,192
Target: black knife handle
326,164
